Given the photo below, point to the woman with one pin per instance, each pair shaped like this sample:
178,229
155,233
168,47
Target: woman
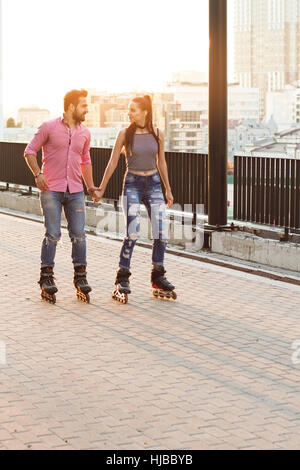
144,152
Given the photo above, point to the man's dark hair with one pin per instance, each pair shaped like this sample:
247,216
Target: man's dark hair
72,97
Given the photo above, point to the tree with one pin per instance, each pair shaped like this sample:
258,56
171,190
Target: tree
10,122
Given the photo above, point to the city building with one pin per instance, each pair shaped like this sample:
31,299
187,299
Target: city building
110,110
284,106
243,103
100,137
103,137
18,134
285,144
163,106
101,103
190,134
249,133
32,116
93,118
190,95
184,131
267,45
116,117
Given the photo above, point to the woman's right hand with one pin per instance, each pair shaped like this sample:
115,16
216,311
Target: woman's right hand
169,198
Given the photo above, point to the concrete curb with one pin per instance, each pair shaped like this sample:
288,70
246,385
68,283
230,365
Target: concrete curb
250,247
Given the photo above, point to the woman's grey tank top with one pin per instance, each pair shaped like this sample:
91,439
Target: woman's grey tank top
144,151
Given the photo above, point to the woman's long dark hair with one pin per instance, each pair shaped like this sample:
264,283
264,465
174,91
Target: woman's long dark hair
145,103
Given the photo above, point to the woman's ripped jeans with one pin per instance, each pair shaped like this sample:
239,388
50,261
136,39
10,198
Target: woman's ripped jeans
143,189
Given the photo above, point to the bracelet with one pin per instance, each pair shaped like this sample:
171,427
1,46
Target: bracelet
38,174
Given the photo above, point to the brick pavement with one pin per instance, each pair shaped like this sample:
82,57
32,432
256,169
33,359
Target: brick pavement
212,370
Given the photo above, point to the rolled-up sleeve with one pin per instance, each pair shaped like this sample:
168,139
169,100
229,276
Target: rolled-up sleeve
39,139
86,157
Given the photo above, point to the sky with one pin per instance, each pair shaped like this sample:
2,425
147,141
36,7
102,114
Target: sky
51,47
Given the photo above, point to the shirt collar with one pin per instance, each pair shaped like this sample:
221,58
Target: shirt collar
62,120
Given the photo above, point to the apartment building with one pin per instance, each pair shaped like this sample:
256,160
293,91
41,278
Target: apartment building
33,116
267,45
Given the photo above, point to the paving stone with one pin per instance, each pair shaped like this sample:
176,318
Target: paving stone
212,370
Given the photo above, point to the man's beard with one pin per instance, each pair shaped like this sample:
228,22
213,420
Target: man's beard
78,118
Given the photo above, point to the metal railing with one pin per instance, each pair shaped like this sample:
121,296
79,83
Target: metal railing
188,173
267,190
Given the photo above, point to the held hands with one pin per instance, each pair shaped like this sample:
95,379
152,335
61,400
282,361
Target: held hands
99,193
96,194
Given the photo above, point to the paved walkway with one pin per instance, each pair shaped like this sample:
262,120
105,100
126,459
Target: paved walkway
212,370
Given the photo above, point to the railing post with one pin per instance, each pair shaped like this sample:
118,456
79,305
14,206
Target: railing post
217,198
1,78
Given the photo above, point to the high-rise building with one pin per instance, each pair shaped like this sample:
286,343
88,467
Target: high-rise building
184,131
100,103
163,105
1,77
116,117
243,102
267,45
93,117
284,106
33,116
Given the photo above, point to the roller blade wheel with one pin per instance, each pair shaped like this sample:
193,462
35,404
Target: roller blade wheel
83,297
164,294
51,298
121,297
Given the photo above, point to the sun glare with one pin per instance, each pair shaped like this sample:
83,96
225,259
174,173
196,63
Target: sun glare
112,46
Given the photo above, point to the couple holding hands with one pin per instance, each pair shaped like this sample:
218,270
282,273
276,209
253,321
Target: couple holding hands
65,142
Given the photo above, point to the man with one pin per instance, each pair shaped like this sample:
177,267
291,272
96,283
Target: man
66,159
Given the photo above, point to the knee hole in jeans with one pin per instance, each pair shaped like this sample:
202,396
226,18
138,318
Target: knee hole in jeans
78,239
51,239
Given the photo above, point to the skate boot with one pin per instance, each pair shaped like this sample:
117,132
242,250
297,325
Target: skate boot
162,288
81,284
122,288
47,284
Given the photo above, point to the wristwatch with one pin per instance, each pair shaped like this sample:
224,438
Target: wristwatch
38,174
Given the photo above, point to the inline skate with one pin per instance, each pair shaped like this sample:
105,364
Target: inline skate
162,288
122,288
47,284
80,282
